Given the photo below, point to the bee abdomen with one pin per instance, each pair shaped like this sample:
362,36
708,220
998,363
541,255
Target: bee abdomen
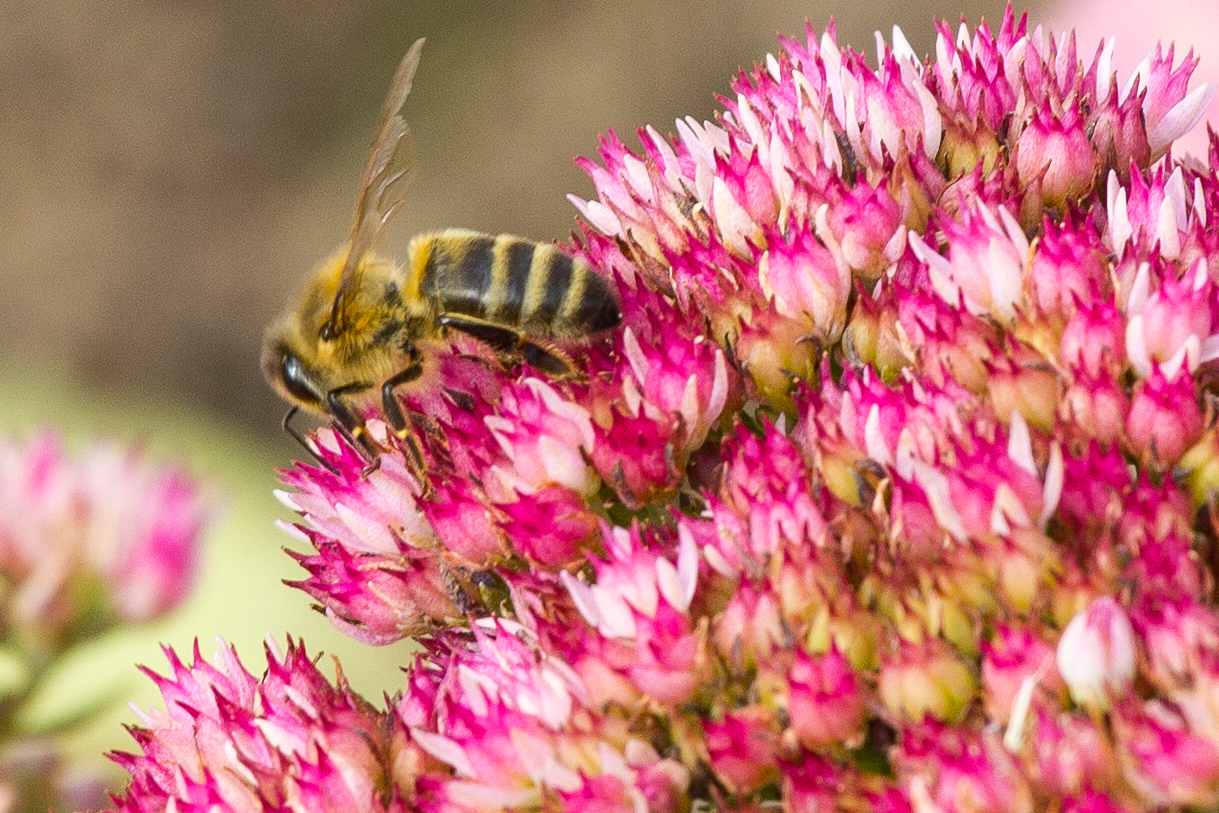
517,283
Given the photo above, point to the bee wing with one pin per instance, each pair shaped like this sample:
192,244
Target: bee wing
387,173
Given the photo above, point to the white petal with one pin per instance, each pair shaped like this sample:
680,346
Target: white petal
563,464
1104,70
474,795
1187,353
733,222
286,498
672,167
1210,349
874,442
1055,474
1182,118
718,563
1008,509
291,530
773,67
617,617
1120,230
582,597
1200,207
599,215
1013,737
719,388
901,46
1166,230
444,749
935,484
634,355
1142,72
1020,444
1136,346
1140,289
750,122
635,173
687,565
375,536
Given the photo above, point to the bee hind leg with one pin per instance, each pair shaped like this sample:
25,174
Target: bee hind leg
541,356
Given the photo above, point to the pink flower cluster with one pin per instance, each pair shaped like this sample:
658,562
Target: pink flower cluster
896,490
88,543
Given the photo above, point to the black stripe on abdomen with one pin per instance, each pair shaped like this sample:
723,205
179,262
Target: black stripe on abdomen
596,308
459,273
514,261
552,271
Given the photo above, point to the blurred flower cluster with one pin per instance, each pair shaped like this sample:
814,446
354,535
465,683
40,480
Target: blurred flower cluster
87,544
894,492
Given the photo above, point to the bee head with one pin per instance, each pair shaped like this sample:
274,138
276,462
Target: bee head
290,377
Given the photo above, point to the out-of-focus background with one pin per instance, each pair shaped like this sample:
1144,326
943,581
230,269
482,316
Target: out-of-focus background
170,172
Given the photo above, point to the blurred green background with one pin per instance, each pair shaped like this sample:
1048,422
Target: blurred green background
171,171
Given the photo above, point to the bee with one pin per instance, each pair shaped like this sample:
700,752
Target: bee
365,322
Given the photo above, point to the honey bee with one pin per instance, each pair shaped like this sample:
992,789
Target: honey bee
364,322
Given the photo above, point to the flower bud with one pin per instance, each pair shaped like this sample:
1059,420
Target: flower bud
1016,655
825,703
551,527
545,438
1164,418
863,228
926,680
1119,133
1024,383
1200,467
1054,149
806,283
1094,340
1071,754
1095,409
743,747
1097,653
1166,763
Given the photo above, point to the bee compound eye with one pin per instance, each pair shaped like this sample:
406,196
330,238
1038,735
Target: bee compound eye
296,380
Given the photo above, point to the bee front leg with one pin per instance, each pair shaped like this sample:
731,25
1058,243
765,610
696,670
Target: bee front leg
394,414
293,433
351,425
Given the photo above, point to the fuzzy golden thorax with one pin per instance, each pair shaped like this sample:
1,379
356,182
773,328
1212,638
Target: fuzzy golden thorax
304,360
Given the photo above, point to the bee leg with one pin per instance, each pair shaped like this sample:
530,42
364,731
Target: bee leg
352,426
394,414
510,342
551,360
293,433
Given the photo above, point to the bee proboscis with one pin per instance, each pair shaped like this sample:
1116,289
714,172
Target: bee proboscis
364,322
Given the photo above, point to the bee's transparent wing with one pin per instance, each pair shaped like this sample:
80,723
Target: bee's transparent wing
387,173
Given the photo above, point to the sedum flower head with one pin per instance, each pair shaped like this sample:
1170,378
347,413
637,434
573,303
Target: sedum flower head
92,542
894,491
89,542
229,740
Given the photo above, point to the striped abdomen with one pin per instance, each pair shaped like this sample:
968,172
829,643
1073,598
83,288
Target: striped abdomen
514,282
